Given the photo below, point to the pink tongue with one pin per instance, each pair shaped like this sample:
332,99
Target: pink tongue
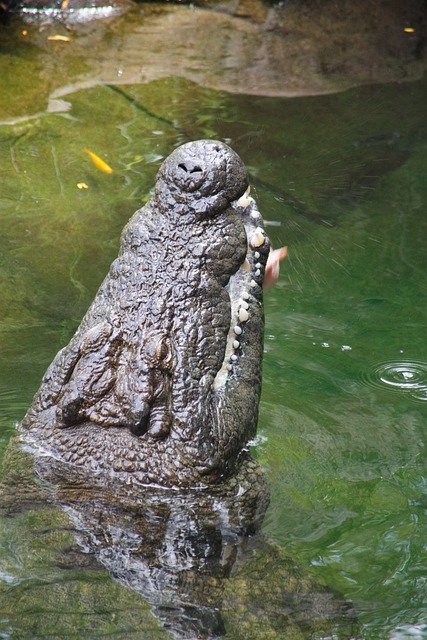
272,268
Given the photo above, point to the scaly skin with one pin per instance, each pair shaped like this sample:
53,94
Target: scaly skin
161,382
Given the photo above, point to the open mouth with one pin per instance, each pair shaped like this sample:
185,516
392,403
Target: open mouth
245,287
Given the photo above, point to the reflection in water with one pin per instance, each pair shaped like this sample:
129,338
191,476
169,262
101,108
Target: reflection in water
409,377
196,556
11,405
37,16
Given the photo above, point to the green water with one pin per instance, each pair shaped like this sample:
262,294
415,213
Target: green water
342,180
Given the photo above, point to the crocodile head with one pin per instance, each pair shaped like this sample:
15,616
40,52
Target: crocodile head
161,382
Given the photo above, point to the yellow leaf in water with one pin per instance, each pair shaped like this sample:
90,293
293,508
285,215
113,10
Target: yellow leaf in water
98,162
64,4
58,38
82,185
409,30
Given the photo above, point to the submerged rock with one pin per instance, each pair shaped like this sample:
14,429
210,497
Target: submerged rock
256,48
284,49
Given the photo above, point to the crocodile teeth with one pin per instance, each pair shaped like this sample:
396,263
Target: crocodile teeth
243,315
245,200
258,238
245,265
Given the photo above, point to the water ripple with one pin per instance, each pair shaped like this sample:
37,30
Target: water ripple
409,376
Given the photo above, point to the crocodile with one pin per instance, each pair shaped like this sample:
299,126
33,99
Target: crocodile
161,382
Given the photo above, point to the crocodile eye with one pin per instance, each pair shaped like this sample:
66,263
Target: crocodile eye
159,352
162,349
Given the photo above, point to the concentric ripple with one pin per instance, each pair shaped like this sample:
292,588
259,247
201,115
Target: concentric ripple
407,376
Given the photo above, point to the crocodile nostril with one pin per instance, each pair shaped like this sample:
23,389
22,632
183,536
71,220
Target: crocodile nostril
190,168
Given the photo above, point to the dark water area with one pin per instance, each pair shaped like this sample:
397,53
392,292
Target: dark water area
341,179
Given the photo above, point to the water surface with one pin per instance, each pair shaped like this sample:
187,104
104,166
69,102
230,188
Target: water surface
342,180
